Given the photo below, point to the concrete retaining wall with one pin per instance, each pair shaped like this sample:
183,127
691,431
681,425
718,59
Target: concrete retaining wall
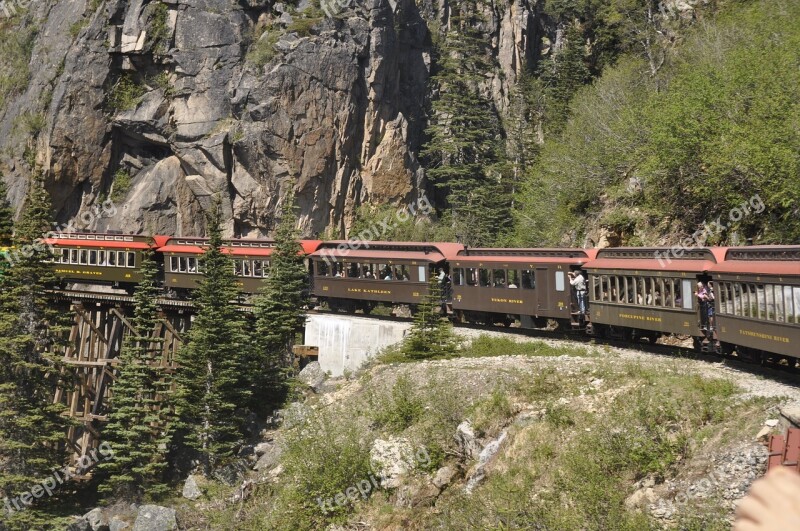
345,342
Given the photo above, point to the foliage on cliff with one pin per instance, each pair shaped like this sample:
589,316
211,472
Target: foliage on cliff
652,155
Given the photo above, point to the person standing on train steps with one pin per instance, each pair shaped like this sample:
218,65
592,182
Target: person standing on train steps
701,293
578,283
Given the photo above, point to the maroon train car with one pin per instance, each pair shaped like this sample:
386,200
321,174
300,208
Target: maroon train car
502,285
758,301
359,276
647,292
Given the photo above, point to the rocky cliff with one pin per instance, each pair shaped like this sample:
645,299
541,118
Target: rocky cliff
162,105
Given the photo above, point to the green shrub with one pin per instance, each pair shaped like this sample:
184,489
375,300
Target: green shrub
158,29
121,185
262,51
403,409
125,94
323,457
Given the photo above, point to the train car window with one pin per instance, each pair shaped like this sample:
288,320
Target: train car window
499,278
173,263
659,297
739,302
483,277
472,276
788,304
796,303
687,295
513,278
458,276
237,268
422,274
84,257
761,297
366,272
322,268
247,268
528,279
112,258
92,257
182,261
352,270
120,258
258,268
65,256
101,258
597,288
778,309
401,272
641,292
131,259
752,301
560,284
192,264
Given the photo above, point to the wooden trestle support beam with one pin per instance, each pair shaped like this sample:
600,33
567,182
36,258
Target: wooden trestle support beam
91,365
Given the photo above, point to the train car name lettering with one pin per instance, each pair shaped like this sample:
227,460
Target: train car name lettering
762,335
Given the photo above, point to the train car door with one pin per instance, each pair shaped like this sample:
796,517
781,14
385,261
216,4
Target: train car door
543,301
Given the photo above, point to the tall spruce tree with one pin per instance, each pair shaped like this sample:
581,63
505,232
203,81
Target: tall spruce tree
430,335
6,217
212,388
279,310
32,428
139,420
464,135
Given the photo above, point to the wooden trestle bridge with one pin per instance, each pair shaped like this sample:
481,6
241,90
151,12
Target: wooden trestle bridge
91,356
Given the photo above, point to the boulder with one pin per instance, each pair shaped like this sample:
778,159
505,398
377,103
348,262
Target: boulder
467,442
117,524
155,518
391,460
270,456
443,477
97,519
191,490
232,473
312,375
80,525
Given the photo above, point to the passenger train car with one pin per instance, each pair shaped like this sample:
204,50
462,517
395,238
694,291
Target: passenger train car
633,293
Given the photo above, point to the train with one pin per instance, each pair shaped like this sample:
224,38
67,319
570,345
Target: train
631,294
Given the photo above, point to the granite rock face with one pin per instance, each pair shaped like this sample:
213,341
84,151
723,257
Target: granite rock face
160,106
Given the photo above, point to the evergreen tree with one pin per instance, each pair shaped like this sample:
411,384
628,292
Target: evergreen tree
430,335
562,75
211,385
32,429
138,424
464,146
6,217
280,310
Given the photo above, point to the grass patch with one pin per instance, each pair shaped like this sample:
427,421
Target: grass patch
121,185
262,51
402,409
485,346
158,29
125,94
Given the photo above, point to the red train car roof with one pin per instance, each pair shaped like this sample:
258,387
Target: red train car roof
777,260
526,256
57,242
697,260
426,251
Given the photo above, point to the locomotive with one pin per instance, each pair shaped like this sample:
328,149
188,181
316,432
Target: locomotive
632,294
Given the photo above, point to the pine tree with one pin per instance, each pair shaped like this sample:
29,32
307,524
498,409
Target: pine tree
212,388
465,145
138,424
562,75
430,335
6,217
279,310
32,429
